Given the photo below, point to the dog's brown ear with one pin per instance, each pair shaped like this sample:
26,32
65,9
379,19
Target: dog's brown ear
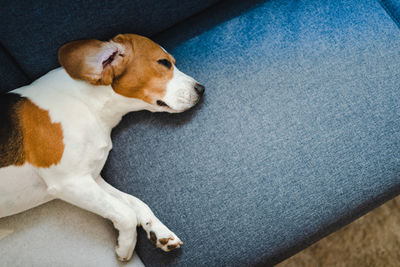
92,60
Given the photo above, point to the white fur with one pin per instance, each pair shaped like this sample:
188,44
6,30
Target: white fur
20,189
87,114
178,96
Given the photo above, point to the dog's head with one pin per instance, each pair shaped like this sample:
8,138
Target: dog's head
135,67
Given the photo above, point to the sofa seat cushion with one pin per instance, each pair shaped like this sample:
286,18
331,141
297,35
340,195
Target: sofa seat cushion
298,132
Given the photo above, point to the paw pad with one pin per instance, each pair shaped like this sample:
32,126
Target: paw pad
166,243
153,238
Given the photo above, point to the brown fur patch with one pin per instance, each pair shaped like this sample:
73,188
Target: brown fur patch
42,139
132,71
163,241
144,78
153,237
27,134
80,60
11,136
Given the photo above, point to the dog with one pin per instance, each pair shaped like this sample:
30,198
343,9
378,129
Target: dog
55,133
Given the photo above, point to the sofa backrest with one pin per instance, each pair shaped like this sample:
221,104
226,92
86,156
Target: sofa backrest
393,9
11,76
32,31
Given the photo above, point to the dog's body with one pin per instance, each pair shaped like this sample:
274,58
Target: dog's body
57,134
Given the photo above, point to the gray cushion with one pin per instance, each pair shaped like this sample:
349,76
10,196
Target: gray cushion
298,133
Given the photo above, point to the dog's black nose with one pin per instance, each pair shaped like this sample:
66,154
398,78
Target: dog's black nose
199,89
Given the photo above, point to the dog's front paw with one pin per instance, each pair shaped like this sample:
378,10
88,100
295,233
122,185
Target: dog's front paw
123,254
126,245
162,237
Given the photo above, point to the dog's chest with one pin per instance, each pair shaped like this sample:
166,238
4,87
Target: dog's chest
101,155
87,139
95,148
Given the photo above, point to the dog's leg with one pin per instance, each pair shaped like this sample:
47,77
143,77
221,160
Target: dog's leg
85,193
157,232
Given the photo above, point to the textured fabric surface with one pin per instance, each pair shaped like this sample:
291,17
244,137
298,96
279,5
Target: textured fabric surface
372,240
33,31
58,234
393,8
298,133
11,75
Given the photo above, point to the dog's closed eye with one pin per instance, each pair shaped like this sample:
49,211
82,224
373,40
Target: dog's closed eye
165,62
161,103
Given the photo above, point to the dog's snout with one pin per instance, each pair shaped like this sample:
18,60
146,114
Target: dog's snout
199,89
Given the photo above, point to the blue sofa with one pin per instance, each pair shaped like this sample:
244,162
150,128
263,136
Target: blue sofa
298,133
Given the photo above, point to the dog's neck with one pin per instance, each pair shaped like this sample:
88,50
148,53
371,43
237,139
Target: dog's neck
102,101
109,106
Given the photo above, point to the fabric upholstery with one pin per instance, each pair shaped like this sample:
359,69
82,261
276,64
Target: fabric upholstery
298,132
33,31
393,8
11,75
297,135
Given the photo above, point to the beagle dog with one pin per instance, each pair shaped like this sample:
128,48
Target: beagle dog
55,132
